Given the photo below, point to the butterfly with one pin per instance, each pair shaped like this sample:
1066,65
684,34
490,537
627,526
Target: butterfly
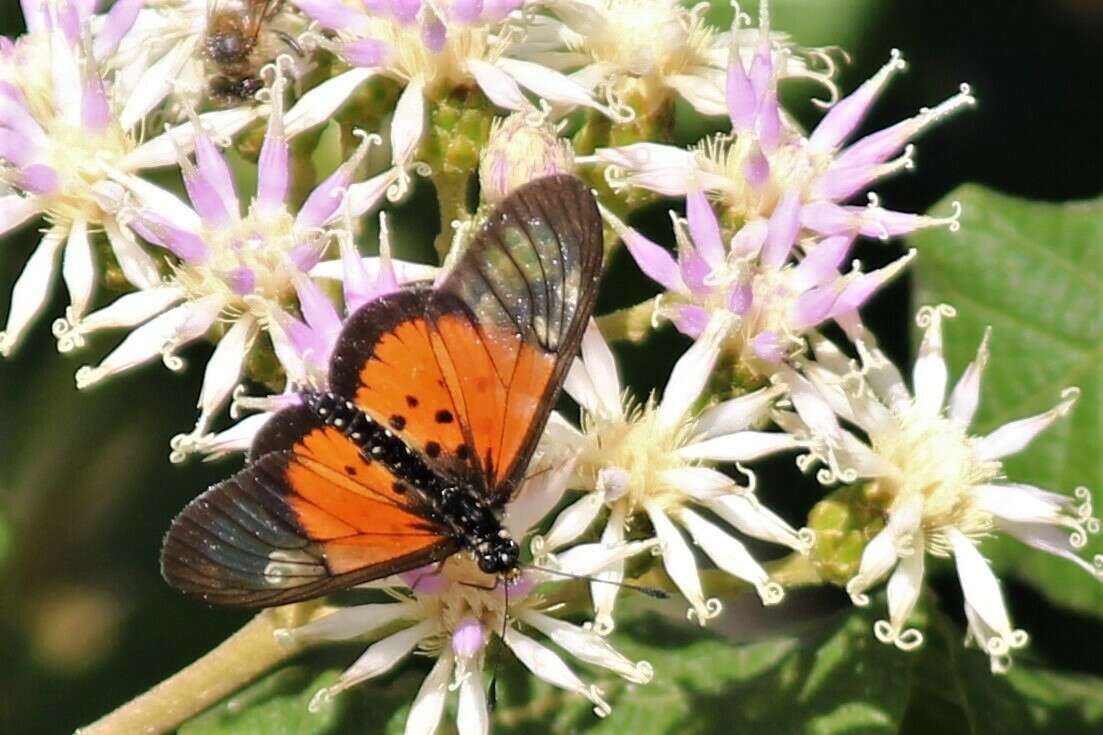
437,397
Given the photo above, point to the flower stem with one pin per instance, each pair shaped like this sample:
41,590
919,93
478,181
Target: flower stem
235,662
451,189
632,323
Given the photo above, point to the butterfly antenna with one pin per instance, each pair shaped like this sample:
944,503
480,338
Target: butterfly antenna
492,693
655,592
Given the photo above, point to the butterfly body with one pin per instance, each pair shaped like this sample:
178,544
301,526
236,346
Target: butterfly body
448,502
436,398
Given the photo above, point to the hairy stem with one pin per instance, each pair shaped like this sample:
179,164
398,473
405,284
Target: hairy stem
632,323
236,661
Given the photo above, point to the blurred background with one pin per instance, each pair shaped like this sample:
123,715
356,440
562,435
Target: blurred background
86,489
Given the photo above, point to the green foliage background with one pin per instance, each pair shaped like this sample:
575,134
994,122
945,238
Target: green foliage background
86,490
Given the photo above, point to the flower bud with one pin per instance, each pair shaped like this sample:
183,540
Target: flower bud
520,150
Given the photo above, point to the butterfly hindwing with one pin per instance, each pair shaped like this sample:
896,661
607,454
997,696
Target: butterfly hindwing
312,516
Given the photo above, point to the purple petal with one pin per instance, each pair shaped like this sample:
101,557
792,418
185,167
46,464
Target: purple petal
68,20
812,307
769,121
187,246
336,16
741,299
206,200
466,11
94,108
842,182
828,218
358,286
742,103
841,121
273,165
405,11
242,281
783,229
654,260
214,169
768,347
118,22
366,52
16,149
38,178
318,310
704,228
426,580
821,264
306,255
694,271
468,638
750,238
327,197
14,114
495,10
756,169
762,69
434,34
690,319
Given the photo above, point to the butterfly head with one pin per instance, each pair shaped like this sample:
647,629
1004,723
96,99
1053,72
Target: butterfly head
498,555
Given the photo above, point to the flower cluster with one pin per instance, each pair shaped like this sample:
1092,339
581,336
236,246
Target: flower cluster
288,128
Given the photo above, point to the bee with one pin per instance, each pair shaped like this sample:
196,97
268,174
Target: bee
238,43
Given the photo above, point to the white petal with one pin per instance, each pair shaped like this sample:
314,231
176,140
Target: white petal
1055,540
164,149
979,584
224,367
363,196
585,560
680,565
472,717
78,269
408,124
966,394
1015,436
428,706
811,405
730,555
1021,503
738,413
124,312
904,588
498,86
742,446
553,86
878,558
751,517
405,271
882,375
15,210
546,665
154,338
164,203
136,264
587,646
930,376
604,593
580,387
602,368
237,438
702,94
571,522
32,288
156,83
383,655
318,105
536,498
691,372
700,483
350,622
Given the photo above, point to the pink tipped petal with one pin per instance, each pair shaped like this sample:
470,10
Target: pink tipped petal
318,310
466,11
756,169
184,244
783,229
207,200
860,289
468,638
740,96
695,271
828,218
405,11
704,228
813,307
434,34
769,122
654,260
216,171
741,299
242,281
748,241
847,114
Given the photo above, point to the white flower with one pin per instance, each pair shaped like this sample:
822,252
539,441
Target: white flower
429,47
657,48
67,152
943,488
452,612
166,56
653,460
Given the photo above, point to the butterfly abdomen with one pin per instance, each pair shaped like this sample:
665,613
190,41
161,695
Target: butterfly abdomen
459,510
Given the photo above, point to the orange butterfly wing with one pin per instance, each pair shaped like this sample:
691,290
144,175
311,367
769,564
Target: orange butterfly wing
307,518
468,372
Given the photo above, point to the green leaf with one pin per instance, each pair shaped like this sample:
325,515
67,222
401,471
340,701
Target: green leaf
953,691
1032,271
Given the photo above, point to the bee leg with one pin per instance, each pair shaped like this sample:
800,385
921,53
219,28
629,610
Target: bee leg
291,43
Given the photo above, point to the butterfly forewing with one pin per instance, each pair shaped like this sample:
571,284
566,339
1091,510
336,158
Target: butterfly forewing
455,383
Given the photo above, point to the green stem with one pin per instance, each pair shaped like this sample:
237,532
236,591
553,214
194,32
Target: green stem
632,323
235,662
451,189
